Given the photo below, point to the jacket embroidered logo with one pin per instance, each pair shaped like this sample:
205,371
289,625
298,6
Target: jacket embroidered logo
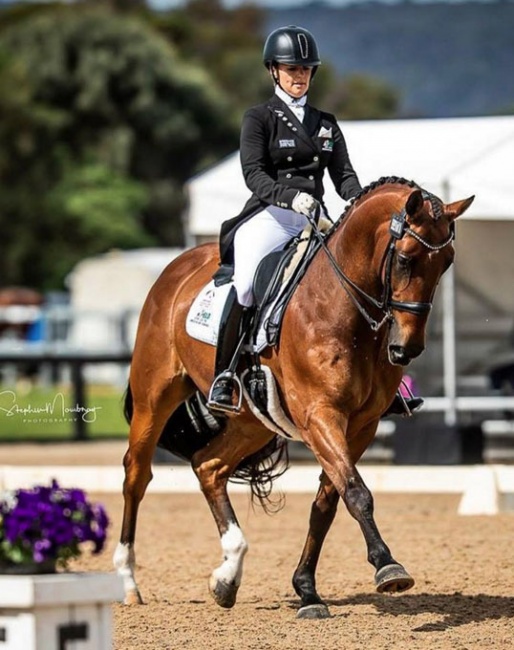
286,143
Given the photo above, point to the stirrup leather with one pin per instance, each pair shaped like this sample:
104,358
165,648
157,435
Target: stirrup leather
213,405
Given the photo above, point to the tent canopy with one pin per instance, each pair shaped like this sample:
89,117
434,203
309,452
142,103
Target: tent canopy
454,158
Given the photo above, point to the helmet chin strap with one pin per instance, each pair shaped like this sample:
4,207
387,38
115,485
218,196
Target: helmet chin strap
274,76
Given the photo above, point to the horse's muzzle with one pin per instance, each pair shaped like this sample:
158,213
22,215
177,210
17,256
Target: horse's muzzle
402,356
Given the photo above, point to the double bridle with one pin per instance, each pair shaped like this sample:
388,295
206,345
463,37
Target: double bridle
398,229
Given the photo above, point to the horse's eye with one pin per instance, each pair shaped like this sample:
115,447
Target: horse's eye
404,261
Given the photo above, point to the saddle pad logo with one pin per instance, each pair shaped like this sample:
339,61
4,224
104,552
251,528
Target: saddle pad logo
286,144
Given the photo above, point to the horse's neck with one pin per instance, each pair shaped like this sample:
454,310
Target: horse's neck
358,249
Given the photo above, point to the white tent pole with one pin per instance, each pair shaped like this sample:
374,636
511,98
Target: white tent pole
449,335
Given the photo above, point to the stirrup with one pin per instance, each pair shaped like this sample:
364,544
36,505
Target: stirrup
218,407
410,404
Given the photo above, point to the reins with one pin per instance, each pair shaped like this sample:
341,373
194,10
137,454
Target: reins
398,229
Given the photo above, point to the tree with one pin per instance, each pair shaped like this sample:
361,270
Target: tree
104,126
361,97
226,42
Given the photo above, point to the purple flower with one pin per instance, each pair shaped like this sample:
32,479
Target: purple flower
49,523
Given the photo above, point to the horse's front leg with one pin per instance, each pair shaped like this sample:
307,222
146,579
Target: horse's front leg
322,515
326,436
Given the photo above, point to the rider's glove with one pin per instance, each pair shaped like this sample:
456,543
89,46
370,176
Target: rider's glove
304,204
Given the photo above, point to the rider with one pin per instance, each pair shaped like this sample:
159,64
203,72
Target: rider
286,145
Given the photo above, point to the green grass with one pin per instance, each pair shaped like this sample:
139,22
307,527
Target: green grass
36,413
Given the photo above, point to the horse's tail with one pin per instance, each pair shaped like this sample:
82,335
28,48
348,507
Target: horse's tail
128,404
261,469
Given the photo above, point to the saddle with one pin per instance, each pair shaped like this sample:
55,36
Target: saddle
275,281
277,277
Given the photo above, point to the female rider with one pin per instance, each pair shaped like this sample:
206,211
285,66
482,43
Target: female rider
286,145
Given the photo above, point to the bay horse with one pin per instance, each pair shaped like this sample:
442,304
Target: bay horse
356,319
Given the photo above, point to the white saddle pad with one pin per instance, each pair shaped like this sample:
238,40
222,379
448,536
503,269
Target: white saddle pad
203,319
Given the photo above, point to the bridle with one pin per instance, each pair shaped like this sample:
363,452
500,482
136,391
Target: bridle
398,229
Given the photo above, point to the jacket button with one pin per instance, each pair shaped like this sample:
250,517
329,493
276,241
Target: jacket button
311,178
294,128
289,176
289,158
316,158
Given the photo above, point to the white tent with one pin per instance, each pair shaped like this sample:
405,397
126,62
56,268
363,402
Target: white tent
453,158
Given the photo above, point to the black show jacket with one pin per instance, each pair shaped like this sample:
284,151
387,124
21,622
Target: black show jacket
281,156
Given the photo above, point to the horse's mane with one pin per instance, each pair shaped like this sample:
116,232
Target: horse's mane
391,180
384,180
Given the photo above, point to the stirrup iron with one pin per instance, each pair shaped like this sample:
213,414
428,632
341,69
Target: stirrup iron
226,408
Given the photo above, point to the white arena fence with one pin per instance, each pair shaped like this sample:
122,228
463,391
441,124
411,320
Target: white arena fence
483,489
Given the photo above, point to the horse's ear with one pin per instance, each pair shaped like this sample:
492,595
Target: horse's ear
414,203
454,210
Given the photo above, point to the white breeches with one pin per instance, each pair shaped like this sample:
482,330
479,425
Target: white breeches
266,232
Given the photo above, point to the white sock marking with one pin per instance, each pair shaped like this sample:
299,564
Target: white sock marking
234,547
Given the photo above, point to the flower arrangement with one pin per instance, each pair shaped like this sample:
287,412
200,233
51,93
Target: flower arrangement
46,526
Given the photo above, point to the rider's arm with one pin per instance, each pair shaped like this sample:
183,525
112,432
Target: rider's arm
340,168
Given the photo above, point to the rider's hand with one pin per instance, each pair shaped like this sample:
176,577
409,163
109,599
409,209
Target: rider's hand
304,204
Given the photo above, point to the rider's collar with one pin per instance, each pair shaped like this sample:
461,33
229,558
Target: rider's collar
287,99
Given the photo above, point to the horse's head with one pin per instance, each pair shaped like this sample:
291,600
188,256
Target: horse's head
421,250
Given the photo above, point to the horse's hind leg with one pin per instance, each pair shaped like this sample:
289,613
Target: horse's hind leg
213,466
322,515
146,425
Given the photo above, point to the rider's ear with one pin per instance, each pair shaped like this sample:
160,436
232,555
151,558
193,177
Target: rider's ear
414,204
454,210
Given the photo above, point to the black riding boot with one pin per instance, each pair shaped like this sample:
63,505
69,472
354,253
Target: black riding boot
403,405
229,336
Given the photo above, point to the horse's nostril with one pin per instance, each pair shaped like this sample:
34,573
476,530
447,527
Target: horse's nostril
401,356
397,355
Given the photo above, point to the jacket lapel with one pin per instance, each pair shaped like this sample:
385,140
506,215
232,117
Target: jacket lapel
288,118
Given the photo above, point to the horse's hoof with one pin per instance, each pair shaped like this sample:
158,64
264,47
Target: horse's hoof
316,611
393,578
224,593
133,597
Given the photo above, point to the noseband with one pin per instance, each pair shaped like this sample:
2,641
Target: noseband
398,229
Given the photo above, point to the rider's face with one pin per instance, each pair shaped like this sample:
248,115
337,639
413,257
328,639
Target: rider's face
294,79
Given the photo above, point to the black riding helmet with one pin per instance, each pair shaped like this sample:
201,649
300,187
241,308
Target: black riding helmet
293,46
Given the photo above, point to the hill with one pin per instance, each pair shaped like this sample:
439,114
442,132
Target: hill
446,59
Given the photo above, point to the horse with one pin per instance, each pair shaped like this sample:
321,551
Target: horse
356,318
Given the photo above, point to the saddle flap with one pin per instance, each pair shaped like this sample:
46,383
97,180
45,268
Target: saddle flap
268,277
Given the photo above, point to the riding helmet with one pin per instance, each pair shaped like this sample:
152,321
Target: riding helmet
291,45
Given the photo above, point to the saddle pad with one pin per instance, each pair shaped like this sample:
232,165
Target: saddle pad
204,316
275,420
